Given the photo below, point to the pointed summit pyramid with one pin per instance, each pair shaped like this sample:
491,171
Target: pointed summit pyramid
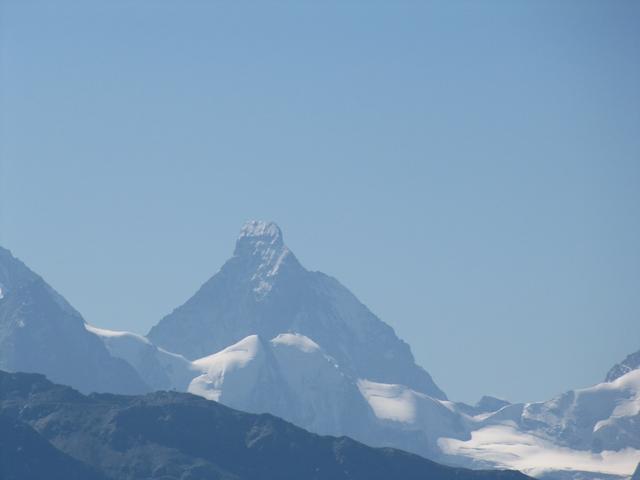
263,290
257,235
260,254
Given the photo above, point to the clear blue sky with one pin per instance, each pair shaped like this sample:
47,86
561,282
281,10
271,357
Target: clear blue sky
470,170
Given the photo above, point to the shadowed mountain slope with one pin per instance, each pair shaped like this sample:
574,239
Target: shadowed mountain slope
169,435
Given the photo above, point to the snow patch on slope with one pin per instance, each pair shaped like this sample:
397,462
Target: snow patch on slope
626,389
231,358
238,368
162,370
396,403
296,340
504,446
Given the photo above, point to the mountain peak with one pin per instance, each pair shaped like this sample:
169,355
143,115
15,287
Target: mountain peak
259,255
630,363
258,235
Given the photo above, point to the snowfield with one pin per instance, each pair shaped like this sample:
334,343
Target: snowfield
504,446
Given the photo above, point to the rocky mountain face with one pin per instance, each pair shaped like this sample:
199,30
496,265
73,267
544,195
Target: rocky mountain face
41,332
264,290
26,455
632,362
170,435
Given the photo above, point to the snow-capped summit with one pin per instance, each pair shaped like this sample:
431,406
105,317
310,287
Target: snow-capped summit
260,252
258,234
264,290
289,376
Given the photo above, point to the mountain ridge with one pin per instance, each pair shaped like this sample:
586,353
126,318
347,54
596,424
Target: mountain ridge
41,332
631,362
170,435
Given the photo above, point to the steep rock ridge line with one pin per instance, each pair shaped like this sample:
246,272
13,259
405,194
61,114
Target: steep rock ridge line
41,332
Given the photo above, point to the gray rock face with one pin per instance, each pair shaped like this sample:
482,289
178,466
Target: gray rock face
630,363
26,455
490,404
40,332
263,289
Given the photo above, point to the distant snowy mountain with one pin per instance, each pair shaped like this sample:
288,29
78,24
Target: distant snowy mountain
594,431
632,362
263,290
40,332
